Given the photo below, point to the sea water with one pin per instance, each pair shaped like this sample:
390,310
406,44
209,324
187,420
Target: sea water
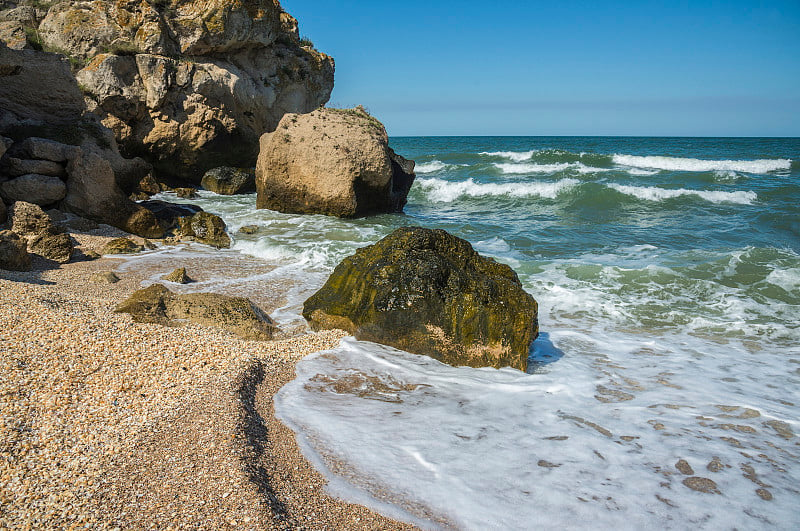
664,389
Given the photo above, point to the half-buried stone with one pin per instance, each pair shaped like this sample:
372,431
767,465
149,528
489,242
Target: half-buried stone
157,304
428,292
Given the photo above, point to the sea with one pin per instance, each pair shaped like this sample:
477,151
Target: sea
664,388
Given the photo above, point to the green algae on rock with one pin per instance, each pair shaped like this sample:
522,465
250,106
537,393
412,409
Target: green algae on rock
122,246
428,292
157,304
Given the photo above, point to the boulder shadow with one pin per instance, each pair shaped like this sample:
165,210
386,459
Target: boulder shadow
542,352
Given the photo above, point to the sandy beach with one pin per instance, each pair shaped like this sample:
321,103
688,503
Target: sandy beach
111,424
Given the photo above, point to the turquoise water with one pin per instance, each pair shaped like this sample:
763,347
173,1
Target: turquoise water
668,276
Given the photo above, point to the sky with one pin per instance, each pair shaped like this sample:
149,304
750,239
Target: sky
672,68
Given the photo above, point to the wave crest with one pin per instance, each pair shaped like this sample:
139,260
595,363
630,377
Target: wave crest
660,194
686,164
441,191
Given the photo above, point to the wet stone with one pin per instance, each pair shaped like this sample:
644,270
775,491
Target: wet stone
701,484
764,494
684,467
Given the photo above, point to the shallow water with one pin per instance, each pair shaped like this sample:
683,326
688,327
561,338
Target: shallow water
668,277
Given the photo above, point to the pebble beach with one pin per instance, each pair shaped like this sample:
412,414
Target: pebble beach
107,423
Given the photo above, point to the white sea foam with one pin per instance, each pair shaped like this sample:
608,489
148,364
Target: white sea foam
525,168
589,442
516,156
655,193
443,191
687,164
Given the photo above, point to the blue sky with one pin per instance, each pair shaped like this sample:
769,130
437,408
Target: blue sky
562,67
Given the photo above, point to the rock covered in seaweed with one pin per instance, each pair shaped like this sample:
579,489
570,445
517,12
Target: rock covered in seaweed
157,304
427,292
331,161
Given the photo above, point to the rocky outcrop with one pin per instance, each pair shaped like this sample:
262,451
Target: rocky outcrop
204,228
331,161
38,86
229,181
156,304
190,84
27,218
428,292
13,252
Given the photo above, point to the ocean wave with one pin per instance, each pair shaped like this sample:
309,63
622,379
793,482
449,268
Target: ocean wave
516,156
430,167
442,191
660,194
686,164
523,168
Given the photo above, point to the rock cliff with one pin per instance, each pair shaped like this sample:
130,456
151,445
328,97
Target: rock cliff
189,84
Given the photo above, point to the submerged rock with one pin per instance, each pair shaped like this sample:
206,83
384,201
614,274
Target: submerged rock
428,292
169,214
249,229
157,304
13,252
229,181
332,161
122,246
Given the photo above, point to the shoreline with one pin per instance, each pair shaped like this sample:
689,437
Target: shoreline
111,423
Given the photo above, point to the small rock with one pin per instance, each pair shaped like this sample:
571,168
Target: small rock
547,464
205,228
91,255
715,465
104,276
157,304
178,276
229,181
13,252
122,246
27,218
764,494
52,245
684,467
701,485
249,229
186,193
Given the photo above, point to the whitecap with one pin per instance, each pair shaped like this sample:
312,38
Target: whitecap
516,156
442,191
688,164
430,167
660,194
525,168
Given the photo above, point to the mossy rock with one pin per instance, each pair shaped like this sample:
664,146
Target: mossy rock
205,228
157,304
122,246
428,292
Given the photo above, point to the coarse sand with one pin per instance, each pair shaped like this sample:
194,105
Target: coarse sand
107,423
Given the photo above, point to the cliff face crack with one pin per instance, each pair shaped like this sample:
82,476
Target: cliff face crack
253,431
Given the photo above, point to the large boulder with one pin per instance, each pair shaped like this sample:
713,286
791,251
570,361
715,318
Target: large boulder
34,188
157,304
229,181
331,161
13,252
428,292
93,193
43,149
190,84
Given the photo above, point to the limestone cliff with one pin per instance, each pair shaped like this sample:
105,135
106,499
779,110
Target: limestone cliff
188,84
